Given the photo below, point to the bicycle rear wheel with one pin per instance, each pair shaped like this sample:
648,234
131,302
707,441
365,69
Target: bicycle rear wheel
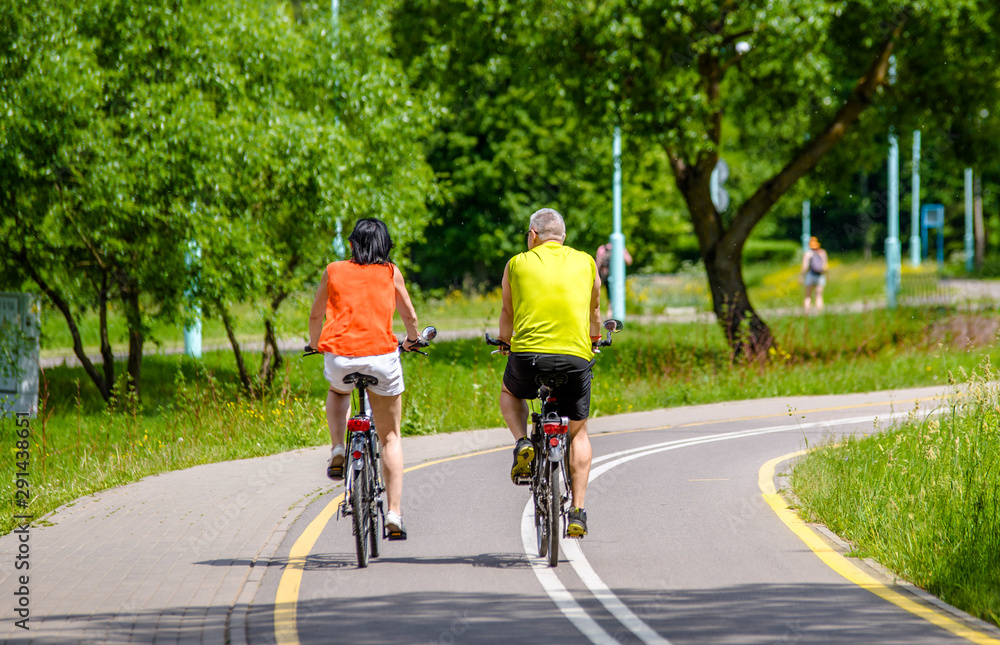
539,493
555,504
360,512
373,477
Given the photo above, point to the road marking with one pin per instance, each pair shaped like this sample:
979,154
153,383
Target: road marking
693,424
847,569
607,597
579,561
286,631
287,595
554,587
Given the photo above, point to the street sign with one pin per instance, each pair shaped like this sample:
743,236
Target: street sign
19,332
720,197
933,215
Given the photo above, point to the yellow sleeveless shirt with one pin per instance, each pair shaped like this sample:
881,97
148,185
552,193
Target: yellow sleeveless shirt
551,286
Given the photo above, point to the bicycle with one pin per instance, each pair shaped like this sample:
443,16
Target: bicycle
364,488
549,435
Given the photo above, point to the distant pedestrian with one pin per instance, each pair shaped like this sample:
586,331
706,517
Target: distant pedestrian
815,263
604,269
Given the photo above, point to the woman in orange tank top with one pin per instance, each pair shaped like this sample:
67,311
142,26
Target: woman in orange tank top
357,299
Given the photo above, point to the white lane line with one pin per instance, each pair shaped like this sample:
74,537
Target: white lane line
557,592
564,599
607,597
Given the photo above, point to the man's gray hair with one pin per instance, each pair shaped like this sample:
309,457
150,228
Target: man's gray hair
548,224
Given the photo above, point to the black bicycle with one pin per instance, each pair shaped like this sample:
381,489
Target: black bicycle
550,437
363,494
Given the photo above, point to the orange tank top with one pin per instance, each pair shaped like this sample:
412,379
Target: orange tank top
361,300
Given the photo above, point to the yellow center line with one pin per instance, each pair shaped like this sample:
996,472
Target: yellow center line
843,566
287,597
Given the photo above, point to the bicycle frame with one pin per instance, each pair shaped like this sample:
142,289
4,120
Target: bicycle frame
363,468
550,435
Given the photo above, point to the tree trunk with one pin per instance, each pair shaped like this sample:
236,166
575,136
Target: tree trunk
103,386
271,359
133,315
237,351
107,355
748,335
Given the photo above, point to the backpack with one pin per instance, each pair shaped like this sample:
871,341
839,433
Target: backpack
816,263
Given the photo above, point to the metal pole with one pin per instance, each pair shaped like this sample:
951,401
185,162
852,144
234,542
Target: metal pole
339,248
192,333
915,203
335,12
892,246
970,254
617,286
806,226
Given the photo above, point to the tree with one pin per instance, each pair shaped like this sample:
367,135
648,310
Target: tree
136,129
507,141
794,77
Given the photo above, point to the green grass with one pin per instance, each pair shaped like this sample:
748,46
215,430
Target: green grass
922,499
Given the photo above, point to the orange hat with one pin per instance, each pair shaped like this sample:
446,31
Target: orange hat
813,243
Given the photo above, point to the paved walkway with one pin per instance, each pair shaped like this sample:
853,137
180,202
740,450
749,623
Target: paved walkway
171,558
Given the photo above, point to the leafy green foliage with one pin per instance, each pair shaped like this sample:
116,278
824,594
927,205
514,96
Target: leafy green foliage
138,130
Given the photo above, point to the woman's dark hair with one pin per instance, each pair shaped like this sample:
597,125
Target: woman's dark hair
370,242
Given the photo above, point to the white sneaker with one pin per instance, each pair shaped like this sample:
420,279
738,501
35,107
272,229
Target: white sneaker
394,526
335,465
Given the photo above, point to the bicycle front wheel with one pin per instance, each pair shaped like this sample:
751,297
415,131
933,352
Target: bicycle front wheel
554,503
360,512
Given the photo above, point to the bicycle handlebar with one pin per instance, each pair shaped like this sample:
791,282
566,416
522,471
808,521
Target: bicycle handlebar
423,340
612,326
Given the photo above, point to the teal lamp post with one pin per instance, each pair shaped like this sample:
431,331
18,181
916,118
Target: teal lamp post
617,286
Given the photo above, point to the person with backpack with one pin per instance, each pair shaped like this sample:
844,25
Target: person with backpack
603,259
815,263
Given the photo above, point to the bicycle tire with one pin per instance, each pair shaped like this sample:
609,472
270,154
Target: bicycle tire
555,503
372,501
538,487
360,513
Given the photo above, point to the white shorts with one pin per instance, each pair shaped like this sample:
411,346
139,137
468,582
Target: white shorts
386,368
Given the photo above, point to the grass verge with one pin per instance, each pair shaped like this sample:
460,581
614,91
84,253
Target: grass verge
922,499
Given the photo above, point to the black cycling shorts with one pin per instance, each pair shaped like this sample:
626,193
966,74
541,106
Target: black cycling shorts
572,397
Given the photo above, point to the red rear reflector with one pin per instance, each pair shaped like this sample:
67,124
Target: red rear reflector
553,441
359,425
554,428
356,454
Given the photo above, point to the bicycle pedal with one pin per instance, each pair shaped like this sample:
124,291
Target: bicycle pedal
524,480
396,535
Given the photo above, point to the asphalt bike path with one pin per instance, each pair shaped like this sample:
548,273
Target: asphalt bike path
685,546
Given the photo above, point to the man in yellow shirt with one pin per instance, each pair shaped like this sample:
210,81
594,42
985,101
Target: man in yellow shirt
551,318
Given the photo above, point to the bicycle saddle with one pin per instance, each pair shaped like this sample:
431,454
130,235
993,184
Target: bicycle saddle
361,379
550,381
